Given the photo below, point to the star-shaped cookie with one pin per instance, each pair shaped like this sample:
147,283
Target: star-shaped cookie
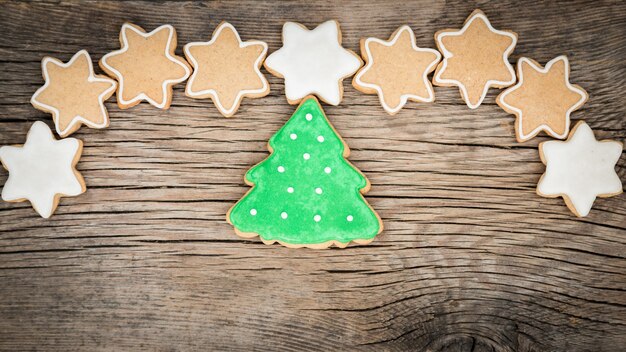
313,62
580,169
226,69
543,99
146,66
475,58
42,170
73,94
396,70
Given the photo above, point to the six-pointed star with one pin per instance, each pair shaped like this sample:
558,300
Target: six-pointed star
475,58
226,69
543,99
580,169
146,66
73,94
42,170
397,70
313,62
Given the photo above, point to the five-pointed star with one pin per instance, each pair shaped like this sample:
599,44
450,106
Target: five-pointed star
313,62
226,69
73,94
397,70
580,169
475,58
146,66
543,99
42,170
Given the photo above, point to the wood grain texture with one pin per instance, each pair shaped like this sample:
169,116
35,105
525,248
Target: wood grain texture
471,258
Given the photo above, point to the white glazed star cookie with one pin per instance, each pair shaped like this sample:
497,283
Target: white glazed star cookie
313,62
580,169
146,66
42,170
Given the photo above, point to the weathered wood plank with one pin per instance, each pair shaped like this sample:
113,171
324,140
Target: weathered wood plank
470,259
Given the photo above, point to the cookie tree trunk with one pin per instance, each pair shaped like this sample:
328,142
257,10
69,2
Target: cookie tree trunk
306,194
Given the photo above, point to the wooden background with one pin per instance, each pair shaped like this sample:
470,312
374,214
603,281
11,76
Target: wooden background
471,258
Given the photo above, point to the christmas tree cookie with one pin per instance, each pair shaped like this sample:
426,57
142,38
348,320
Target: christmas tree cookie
543,99
146,66
306,194
73,94
475,58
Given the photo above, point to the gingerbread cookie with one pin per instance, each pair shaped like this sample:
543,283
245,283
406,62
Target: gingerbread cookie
226,69
73,94
475,58
542,99
313,62
42,170
146,66
306,194
580,169
396,70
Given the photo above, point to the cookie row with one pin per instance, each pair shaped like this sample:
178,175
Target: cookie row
475,58
225,69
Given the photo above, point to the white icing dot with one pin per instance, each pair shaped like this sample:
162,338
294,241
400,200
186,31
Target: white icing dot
317,218
320,139
327,170
253,212
290,189
318,190
293,136
281,169
350,218
309,117
283,215
306,156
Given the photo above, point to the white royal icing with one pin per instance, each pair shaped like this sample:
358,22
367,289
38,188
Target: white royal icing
580,169
405,97
544,127
41,169
447,54
120,77
212,92
313,62
92,78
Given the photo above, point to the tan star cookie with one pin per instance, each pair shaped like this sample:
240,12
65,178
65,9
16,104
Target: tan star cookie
226,69
475,58
146,66
543,99
396,70
73,94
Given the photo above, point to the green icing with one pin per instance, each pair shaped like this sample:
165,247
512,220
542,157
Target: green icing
285,205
